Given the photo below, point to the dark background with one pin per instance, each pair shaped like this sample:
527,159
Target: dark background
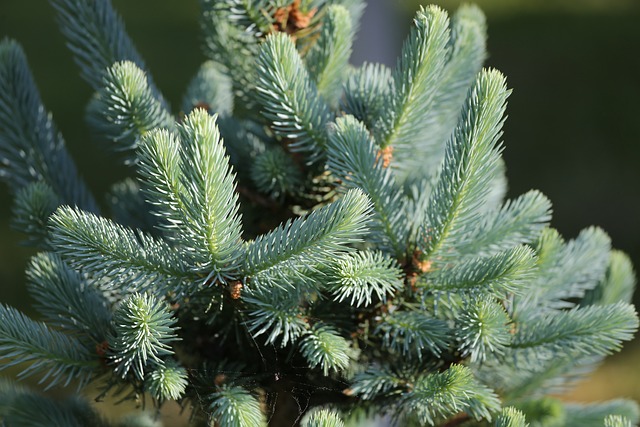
574,116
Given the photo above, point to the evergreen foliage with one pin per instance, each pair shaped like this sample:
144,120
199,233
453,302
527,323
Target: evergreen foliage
304,241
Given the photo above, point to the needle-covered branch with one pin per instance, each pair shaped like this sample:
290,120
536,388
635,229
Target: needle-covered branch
309,241
471,156
131,259
61,358
125,108
191,182
31,148
289,99
306,242
97,38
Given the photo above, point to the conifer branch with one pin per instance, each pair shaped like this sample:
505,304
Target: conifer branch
355,8
592,415
412,332
277,315
61,358
617,285
232,44
357,163
359,276
192,183
289,99
32,208
416,77
322,346
143,331
566,270
323,418
466,52
365,92
507,271
584,331
22,407
213,203
66,300
517,222
31,149
275,173
125,108
97,38
375,382
616,421
251,15
329,57
534,372
511,417
471,157
442,395
483,329
233,406
161,175
210,89
167,381
102,248
309,241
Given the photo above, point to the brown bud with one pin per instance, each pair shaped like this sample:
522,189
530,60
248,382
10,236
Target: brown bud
291,19
423,266
420,265
219,379
412,279
280,16
299,19
235,289
101,348
203,105
387,155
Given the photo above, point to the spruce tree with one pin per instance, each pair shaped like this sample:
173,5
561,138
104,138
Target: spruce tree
301,241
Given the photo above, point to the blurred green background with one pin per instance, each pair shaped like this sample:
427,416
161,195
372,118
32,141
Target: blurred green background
573,129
